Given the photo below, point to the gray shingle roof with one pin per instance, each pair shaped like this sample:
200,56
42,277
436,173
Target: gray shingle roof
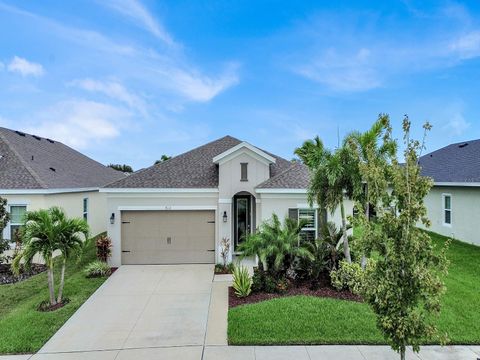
32,162
459,162
193,169
296,176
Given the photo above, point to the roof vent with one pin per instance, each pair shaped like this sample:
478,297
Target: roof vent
32,158
462,145
37,137
50,141
53,169
20,133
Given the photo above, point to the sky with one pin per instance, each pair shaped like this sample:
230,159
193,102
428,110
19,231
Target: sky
125,81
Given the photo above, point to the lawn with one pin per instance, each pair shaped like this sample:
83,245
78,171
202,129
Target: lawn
310,320
23,328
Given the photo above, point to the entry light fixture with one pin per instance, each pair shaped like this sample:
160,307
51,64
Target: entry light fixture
224,216
112,218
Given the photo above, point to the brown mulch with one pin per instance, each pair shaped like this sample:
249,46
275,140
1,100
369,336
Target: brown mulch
302,289
45,305
7,276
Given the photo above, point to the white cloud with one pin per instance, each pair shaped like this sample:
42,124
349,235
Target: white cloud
79,123
466,45
457,125
25,67
113,90
134,10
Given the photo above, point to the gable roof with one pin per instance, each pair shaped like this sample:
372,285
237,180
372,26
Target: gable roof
192,169
296,176
244,145
32,162
455,163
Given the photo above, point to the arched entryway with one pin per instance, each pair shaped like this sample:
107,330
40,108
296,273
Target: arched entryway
243,210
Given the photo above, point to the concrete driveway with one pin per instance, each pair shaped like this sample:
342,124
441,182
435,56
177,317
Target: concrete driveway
141,311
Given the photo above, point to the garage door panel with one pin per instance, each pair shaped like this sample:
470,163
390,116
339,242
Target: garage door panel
168,237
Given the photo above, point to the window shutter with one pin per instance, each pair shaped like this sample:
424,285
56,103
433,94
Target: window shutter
293,214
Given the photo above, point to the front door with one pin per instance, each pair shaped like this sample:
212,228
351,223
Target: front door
243,216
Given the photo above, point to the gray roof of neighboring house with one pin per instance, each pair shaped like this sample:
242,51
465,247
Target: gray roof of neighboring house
193,169
296,176
459,162
32,162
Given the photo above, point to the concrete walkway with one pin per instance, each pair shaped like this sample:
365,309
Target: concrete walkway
179,312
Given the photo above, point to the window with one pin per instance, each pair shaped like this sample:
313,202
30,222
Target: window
447,209
309,230
16,218
243,171
85,209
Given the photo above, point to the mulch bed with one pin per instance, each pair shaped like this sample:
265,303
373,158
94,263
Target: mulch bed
301,289
7,277
45,305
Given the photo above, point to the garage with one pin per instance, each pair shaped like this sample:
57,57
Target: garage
168,237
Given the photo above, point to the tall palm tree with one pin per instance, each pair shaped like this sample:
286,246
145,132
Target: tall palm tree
44,232
334,177
276,245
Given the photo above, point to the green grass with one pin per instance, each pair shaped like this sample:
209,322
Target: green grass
310,320
23,328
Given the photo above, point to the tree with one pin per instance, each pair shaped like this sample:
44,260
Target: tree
44,232
4,215
403,285
276,245
163,158
121,167
334,177
373,150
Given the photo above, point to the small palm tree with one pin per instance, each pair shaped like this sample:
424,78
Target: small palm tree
44,232
276,245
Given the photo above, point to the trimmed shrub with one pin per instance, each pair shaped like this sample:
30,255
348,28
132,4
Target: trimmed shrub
97,269
347,277
104,248
242,283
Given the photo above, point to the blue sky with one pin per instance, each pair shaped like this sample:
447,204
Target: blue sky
126,81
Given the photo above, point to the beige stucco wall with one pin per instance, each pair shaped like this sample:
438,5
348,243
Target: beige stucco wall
72,203
465,212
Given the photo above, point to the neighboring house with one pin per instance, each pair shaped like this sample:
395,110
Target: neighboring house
39,173
453,204
178,211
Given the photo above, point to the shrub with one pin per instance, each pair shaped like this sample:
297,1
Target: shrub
104,248
348,276
264,281
221,269
225,250
97,268
4,246
242,283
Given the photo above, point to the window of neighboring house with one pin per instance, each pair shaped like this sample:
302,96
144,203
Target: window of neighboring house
16,218
243,171
85,209
309,231
447,209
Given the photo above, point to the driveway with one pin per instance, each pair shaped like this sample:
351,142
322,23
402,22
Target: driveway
145,311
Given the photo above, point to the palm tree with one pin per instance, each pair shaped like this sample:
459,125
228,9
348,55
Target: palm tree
276,245
334,176
44,232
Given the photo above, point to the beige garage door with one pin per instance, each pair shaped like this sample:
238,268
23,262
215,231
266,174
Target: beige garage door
168,237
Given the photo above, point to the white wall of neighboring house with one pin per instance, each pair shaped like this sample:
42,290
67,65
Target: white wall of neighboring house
465,212
72,203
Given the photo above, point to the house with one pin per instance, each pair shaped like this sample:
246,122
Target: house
453,203
178,211
36,173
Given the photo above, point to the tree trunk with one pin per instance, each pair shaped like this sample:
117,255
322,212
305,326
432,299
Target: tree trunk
402,353
51,284
367,215
62,281
346,247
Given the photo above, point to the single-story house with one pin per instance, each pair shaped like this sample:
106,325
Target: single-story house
179,210
453,203
36,173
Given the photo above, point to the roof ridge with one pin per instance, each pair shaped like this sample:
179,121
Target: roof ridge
23,162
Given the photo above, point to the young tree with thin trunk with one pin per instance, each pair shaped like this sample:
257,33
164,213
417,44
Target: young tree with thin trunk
45,231
403,285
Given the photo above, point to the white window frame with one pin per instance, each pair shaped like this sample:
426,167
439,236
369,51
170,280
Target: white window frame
85,212
444,210
315,220
10,223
